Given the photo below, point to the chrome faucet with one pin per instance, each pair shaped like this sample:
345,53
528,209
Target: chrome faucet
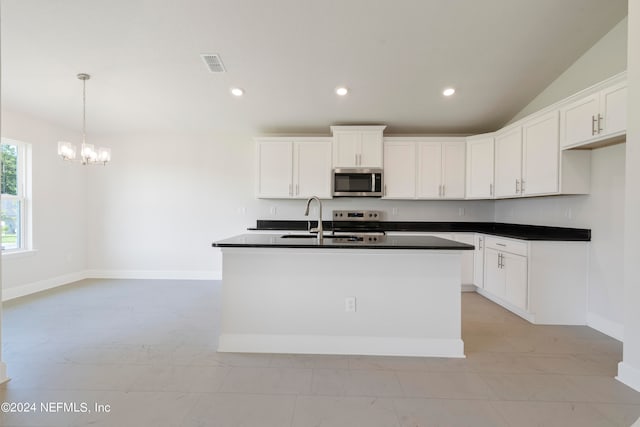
318,229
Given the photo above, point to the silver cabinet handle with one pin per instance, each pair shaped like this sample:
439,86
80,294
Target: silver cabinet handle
480,240
522,186
517,186
593,125
491,189
443,190
439,190
600,123
501,244
297,189
290,190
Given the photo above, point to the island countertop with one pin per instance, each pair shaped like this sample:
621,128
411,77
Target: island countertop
339,242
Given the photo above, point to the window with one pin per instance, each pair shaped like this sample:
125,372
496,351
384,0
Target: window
15,198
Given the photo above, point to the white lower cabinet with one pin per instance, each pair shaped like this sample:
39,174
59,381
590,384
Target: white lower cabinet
478,260
545,282
468,258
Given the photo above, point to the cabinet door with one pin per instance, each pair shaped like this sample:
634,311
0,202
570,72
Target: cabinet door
429,170
453,169
478,261
613,109
508,148
541,151
480,168
468,258
493,273
400,170
516,289
275,160
312,169
579,120
371,149
346,149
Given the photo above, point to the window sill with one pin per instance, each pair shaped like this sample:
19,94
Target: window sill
19,254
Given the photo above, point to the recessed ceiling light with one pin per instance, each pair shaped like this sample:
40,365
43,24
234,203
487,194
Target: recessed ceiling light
342,91
237,91
448,91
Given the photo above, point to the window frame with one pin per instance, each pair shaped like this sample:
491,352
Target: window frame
24,240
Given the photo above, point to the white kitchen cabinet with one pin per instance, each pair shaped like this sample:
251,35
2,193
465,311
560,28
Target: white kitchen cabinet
275,169
399,170
595,117
478,260
468,259
357,146
506,272
540,155
508,161
545,282
441,170
528,160
479,167
293,168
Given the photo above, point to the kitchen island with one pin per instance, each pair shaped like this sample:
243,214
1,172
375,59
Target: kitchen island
391,296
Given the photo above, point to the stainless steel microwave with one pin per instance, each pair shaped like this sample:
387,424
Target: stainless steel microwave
357,182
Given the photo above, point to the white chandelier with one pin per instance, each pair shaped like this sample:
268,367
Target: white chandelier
88,153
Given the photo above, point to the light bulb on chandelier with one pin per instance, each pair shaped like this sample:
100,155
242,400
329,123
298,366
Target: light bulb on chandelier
88,153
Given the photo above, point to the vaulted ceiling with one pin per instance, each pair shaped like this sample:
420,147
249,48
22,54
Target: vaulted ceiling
395,57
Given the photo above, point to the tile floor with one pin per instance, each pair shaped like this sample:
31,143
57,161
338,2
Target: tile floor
148,349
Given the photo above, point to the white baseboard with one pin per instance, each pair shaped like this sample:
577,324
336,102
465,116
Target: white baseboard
469,288
155,274
43,285
351,345
606,326
629,375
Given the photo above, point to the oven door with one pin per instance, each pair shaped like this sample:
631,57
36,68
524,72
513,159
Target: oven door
357,182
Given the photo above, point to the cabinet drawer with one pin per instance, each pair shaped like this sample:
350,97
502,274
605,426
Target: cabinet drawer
517,247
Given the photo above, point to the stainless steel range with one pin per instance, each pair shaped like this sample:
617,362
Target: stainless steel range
358,226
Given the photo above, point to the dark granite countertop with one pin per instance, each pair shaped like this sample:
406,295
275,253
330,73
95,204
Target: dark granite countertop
516,231
387,242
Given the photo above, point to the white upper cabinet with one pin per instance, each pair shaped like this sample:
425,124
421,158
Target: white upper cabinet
399,170
290,169
508,158
312,169
480,167
275,169
595,118
441,170
453,169
429,170
424,168
357,146
540,155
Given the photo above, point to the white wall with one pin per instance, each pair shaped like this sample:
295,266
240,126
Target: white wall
604,59
59,208
629,368
158,206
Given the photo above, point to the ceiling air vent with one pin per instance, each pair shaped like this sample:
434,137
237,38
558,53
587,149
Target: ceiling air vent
213,62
